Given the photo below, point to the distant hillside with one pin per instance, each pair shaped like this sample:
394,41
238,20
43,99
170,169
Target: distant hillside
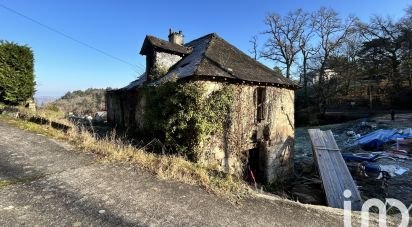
81,102
44,100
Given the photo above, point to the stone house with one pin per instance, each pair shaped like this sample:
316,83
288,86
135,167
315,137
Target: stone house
260,137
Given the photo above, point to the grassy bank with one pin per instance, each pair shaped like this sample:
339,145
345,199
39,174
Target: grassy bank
113,149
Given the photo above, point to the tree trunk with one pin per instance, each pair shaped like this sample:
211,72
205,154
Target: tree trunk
288,70
305,80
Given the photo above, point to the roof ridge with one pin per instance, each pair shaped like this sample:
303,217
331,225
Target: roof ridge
202,37
165,45
255,60
211,36
216,57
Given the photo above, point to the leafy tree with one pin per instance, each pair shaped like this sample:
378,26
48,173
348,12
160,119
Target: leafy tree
383,46
16,73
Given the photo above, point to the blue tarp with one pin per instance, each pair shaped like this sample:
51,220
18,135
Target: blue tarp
349,157
375,140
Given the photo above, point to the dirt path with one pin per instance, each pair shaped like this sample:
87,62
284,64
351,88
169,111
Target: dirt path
52,185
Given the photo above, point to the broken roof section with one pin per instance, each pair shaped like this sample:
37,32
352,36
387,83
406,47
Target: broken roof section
157,44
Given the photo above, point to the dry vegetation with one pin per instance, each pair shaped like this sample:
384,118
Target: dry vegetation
79,102
114,149
4,183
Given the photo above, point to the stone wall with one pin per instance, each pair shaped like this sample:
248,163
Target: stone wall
114,108
164,60
281,142
160,63
125,109
273,137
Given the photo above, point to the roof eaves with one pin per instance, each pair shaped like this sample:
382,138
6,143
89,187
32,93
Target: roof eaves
163,45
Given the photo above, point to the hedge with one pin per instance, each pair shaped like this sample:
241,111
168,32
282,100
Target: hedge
17,82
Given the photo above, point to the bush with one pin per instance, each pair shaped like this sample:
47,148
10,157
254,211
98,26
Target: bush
16,73
182,116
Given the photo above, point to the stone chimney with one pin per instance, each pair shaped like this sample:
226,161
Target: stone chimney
176,37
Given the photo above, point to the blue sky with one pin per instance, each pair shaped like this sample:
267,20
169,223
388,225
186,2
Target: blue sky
119,27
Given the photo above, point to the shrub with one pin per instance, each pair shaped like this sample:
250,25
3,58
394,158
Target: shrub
182,116
16,73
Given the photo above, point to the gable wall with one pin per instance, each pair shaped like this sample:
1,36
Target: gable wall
273,137
165,60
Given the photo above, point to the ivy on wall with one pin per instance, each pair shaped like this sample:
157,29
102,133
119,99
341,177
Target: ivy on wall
157,72
183,116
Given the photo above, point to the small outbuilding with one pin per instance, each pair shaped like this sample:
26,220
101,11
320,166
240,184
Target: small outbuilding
256,135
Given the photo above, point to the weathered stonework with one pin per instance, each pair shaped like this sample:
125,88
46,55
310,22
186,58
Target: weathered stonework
165,60
125,109
258,135
272,137
30,104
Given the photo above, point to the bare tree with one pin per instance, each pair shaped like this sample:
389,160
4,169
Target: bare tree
284,35
350,69
406,27
254,49
331,32
406,20
306,50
